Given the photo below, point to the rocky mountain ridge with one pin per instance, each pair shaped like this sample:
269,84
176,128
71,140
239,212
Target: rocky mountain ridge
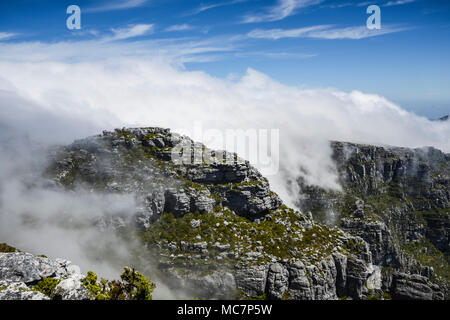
398,201
215,225
217,230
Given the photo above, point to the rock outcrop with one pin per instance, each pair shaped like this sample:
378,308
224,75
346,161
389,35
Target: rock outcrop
211,219
398,201
21,273
160,169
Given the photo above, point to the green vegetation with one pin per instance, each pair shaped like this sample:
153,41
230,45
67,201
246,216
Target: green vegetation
279,234
5,248
240,295
386,296
46,286
137,286
128,136
194,185
286,295
134,286
261,297
428,255
90,282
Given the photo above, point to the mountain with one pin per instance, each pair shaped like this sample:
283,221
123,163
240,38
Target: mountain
215,229
444,118
398,201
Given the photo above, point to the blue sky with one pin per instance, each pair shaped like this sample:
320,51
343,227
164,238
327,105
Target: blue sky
306,43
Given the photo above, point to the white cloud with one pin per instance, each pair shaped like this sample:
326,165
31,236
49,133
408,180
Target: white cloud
397,3
282,10
178,50
206,7
179,27
338,5
148,90
366,3
284,33
131,32
7,35
323,32
360,32
117,5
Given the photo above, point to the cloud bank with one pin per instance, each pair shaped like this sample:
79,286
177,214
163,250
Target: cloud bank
145,90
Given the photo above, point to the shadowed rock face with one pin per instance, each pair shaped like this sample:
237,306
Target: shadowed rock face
398,201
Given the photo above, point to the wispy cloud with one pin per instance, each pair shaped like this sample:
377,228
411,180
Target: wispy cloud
283,9
284,33
117,5
366,3
7,35
349,4
177,50
338,5
205,7
323,32
275,55
179,27
359,32
130,32
397,3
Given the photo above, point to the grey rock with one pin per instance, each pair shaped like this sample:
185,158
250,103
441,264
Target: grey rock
356,277
195,223
277,281
411,287
26,268
252,280
71,289
19,291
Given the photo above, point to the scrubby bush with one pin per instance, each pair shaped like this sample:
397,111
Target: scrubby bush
134,286
5,248
46,286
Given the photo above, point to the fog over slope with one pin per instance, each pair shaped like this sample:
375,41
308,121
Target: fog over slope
55,93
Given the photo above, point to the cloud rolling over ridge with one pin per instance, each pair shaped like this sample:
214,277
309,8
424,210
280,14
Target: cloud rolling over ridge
144,90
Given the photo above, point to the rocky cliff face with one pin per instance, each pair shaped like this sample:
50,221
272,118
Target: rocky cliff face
215,227
216,230
398,201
